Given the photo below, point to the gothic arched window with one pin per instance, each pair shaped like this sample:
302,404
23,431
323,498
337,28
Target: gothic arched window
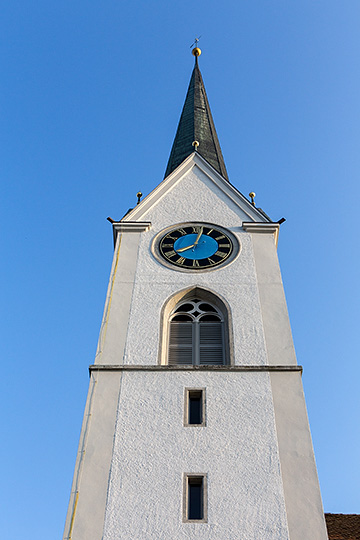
196,333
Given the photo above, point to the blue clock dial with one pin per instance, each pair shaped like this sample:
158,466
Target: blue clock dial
196,247
205,247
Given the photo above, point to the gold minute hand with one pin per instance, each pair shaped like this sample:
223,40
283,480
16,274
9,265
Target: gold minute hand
198,236
184,249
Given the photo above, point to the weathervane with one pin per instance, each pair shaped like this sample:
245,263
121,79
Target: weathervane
195,42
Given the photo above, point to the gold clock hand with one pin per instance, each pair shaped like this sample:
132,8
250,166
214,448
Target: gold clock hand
198,236
184,249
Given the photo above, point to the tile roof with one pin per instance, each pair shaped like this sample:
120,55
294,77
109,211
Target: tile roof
343,526
196,124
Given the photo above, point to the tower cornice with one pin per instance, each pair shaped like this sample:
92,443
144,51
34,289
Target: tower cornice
233,369
120,227
268,228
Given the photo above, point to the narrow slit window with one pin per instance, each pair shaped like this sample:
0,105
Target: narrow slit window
195,412
195,494
195,504
194,407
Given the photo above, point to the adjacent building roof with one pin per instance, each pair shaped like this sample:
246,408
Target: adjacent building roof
196,124
343,526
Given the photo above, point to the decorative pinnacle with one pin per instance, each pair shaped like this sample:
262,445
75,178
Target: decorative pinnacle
252,196
139,195
195,144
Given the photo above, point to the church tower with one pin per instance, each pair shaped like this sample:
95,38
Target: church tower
195,424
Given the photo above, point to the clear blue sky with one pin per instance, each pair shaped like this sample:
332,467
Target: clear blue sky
91,96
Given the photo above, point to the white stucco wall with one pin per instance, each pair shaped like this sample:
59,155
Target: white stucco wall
237,449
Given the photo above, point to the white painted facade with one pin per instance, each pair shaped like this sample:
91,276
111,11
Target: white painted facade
255,448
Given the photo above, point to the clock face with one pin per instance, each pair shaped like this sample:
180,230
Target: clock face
196,247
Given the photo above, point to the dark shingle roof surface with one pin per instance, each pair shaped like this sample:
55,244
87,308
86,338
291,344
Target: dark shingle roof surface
196,124
343,526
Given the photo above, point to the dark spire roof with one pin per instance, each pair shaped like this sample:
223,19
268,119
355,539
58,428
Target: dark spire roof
196,124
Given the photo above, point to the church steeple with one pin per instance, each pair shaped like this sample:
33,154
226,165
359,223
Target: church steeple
195,367
196,125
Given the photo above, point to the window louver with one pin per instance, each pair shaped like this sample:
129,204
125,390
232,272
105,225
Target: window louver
211,333
211,343
180,346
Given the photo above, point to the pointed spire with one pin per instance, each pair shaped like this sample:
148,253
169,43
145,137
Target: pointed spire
196,129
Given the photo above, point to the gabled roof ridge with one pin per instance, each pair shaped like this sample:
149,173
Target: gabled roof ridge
343,526
195,159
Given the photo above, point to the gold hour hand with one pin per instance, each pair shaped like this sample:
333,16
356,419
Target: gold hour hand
184,249
198,236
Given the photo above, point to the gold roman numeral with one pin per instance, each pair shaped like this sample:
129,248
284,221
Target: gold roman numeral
196,264
167,245
224,245
170,253
211,230
181,231
196,230
221,254
180,260
220,237
211,261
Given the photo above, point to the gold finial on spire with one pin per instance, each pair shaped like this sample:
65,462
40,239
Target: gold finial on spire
252,197
195,144
196,51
